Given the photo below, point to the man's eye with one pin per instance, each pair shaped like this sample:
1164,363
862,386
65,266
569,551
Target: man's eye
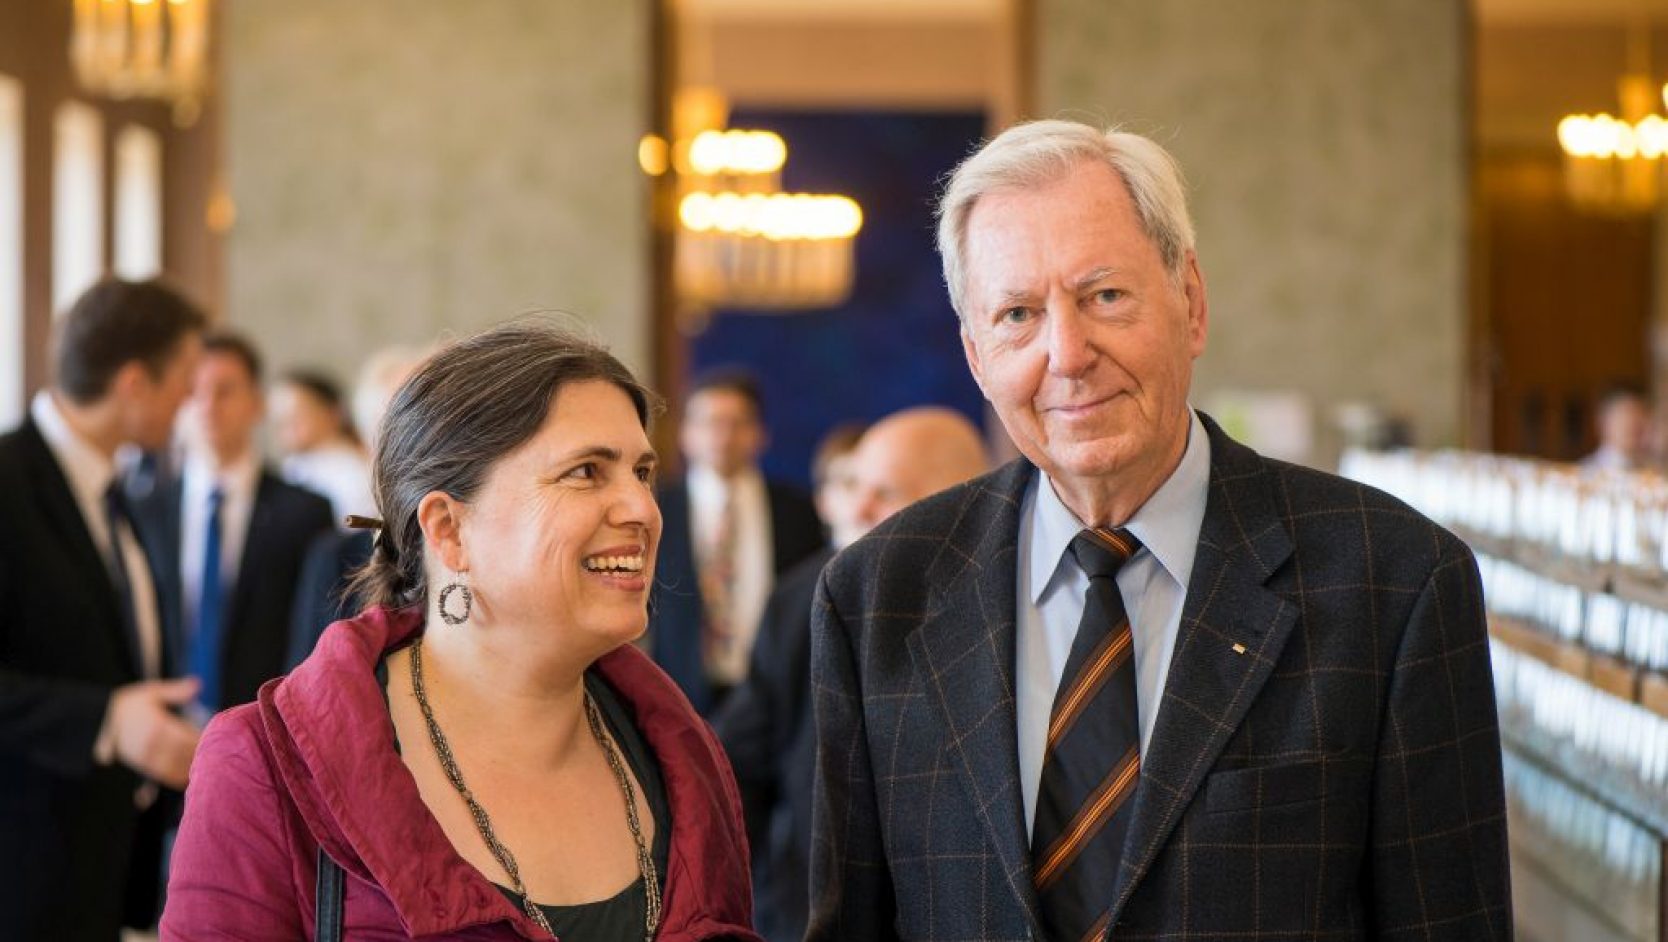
645,474
1014,315
584,472
1108,295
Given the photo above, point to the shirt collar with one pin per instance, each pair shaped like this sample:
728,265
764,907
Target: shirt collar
1167,524
710,490
237,481
88,469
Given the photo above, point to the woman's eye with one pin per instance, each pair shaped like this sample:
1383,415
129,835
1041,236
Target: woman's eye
584,472
645,474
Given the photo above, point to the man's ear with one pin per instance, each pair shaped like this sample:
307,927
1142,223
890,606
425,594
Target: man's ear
130,380
1198,308
440,516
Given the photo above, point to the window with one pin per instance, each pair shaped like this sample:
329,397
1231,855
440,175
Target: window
138,203
77,202
11,251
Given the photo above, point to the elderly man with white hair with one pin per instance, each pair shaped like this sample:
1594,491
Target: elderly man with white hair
1141,683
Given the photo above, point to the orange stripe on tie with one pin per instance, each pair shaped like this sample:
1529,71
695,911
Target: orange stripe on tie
1116,541
1108,658
1089,820
1098,930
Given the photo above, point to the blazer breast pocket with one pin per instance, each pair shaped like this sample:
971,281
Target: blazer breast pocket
1269,786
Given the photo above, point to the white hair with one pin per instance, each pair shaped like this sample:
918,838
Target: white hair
1037,153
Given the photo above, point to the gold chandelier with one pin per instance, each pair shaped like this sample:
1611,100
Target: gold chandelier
741,241
143,49
1613,165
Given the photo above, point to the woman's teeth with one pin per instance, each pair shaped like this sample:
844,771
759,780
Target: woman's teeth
614,563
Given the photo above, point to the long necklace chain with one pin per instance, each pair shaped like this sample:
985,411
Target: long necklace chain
483,824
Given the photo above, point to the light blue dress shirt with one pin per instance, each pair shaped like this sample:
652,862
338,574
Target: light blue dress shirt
1052,589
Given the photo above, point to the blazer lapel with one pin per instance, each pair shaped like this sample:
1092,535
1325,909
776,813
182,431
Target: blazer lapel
157,520
252,562
964,651
1211,685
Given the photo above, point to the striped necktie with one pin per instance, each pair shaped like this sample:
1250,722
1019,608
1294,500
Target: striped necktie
1092,761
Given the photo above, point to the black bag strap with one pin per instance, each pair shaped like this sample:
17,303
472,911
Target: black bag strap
327,901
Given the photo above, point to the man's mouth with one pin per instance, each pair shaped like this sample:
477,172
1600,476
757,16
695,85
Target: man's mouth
1075,408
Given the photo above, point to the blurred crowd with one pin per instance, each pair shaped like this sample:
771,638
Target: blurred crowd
251,506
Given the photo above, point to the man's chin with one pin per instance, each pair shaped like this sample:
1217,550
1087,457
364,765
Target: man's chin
1099,458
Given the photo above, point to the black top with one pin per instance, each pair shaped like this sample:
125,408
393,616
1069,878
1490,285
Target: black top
620,916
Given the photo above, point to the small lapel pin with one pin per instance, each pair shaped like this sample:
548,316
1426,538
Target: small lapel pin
1239,649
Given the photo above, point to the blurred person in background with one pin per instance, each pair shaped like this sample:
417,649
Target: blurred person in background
320,450
324,594
87,724
235,534
765,725
758,723
1623,418
514,767
729,535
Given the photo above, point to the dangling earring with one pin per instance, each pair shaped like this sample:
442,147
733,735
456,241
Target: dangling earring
456,585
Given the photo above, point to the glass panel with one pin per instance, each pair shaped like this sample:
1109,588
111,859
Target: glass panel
11,251
77,202
138,203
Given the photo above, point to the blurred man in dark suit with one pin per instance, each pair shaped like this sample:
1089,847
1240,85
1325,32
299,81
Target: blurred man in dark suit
87,724
1142,683
765,725
727,535
235,534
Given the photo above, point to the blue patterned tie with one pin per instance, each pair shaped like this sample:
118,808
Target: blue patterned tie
206,639
1092,763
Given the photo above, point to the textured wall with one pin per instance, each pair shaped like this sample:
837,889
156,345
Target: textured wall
1324,144
408,168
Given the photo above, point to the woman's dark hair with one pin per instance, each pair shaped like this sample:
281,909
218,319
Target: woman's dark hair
326,392
465,408
317,385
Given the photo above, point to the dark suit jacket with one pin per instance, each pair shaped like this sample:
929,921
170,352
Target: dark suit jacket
1340,779
321,596
260,606
765,726
71,843
675,610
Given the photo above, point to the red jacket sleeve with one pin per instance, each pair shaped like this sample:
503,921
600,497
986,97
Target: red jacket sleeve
235,873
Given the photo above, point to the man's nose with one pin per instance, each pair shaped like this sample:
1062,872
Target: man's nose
1069,353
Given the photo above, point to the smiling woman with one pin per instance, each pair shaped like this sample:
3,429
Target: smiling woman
483,747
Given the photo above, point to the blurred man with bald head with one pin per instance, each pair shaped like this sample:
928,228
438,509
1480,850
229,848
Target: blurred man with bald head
766,724
1142,683
911,454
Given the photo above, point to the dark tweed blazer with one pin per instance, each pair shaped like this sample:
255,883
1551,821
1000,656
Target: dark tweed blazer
1339,779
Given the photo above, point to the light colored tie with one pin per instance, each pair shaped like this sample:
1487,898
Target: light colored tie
718,572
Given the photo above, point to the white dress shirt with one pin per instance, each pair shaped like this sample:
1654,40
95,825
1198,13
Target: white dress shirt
340,473
1053,590
237,482
754,561
90,473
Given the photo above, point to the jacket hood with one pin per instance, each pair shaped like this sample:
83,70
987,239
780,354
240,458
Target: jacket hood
333,747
